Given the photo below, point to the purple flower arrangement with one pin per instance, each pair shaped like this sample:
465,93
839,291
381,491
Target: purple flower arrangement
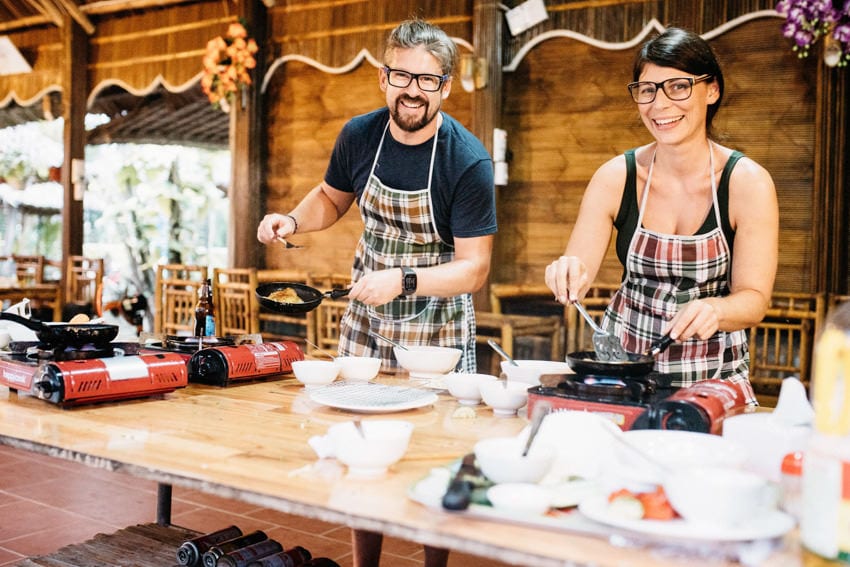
806,21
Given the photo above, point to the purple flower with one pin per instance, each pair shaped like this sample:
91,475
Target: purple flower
804,38
842,32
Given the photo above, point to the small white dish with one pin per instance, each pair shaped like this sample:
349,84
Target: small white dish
466,387
427,361
504,397
315,373
529,371
519,498
501,460
369,455
358,368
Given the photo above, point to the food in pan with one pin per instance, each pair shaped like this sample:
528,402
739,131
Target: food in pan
285,295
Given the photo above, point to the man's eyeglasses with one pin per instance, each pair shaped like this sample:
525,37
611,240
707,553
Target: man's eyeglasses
426,82
677,88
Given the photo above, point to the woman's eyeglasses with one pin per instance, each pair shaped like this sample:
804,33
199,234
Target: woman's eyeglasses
426,82
677,88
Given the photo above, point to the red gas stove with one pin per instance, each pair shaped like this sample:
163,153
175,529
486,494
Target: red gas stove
74,376
645,402
225,365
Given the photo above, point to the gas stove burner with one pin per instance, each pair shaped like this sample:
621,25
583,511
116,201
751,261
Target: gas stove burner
606,387
85,352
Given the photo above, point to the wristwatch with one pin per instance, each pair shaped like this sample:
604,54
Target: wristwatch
408,281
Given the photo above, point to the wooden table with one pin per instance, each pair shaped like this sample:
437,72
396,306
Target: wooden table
249,442
47,293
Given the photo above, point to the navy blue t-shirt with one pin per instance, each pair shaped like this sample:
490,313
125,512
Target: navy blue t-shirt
462,189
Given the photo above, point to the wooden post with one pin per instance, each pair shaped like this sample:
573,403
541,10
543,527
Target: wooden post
75,83
487,102
247,205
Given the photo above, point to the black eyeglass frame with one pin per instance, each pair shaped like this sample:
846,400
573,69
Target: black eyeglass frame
415,76
660,86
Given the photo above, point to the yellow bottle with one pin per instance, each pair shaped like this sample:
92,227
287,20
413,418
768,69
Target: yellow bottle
825,523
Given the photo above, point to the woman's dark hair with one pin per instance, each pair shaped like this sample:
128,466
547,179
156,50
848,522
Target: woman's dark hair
685,50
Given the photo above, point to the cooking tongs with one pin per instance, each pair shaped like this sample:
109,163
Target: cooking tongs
605,345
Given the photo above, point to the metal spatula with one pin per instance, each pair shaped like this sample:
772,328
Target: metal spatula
606,345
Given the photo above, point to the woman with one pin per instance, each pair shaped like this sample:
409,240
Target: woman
696,224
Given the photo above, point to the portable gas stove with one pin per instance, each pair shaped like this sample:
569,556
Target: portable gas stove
73,376
645,402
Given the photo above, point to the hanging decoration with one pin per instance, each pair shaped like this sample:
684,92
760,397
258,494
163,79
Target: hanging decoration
806,21
227,63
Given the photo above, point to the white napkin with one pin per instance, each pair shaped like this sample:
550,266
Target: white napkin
793,407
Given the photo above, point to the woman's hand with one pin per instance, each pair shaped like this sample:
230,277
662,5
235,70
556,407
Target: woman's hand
567,278
700,318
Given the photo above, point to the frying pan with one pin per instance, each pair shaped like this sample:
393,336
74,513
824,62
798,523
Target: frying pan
584,362
311,297
66,334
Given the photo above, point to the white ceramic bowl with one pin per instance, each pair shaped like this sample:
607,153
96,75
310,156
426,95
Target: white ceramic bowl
315,373
358,368
529,371
382,444
466,387
676,449
519,498
427,361
501,460
504,397
719,496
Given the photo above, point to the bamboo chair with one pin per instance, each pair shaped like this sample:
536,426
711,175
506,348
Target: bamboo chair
236,306
30,269
781,345
83,287
328,315
175,296
298,327
506,328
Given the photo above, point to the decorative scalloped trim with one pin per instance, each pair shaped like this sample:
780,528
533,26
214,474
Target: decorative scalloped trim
13,96
353,64
647,29
152,86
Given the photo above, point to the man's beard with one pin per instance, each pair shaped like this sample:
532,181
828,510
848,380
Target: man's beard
409,123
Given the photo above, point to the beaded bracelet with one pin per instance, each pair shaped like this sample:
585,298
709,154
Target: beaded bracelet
294,221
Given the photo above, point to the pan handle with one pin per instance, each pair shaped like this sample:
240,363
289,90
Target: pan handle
336,293
29,323
659,346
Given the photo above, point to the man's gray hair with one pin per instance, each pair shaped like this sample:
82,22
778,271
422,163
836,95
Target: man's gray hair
413,33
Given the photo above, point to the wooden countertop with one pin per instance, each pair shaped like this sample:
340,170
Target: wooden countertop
249,442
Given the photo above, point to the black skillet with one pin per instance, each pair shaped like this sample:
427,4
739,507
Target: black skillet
310,296
67,334
584,362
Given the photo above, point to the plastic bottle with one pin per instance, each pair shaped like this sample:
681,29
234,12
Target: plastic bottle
791,483
825,521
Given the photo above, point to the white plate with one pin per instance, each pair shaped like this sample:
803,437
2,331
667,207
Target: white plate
368,397
771,525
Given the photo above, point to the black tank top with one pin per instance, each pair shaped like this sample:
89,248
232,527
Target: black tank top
627,216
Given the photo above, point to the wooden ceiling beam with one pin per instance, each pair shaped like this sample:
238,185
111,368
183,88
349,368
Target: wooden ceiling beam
79,17
49,9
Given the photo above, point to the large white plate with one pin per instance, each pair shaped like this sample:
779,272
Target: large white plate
368,397
771,525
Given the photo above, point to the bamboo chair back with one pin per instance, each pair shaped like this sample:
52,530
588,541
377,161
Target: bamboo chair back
175,297
30,269
83,285
781,345
236,306
328,315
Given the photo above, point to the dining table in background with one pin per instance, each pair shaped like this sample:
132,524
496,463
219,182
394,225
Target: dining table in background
48,294
250,442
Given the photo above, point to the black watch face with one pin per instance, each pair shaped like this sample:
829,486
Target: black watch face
409,283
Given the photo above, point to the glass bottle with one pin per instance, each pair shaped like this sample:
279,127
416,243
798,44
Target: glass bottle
205,311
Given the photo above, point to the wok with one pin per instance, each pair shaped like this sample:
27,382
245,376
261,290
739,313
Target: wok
311,297
584,362
67,334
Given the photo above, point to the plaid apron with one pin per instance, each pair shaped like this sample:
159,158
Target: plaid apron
400,231
664,272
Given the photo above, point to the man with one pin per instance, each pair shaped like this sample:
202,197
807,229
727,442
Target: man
424,186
